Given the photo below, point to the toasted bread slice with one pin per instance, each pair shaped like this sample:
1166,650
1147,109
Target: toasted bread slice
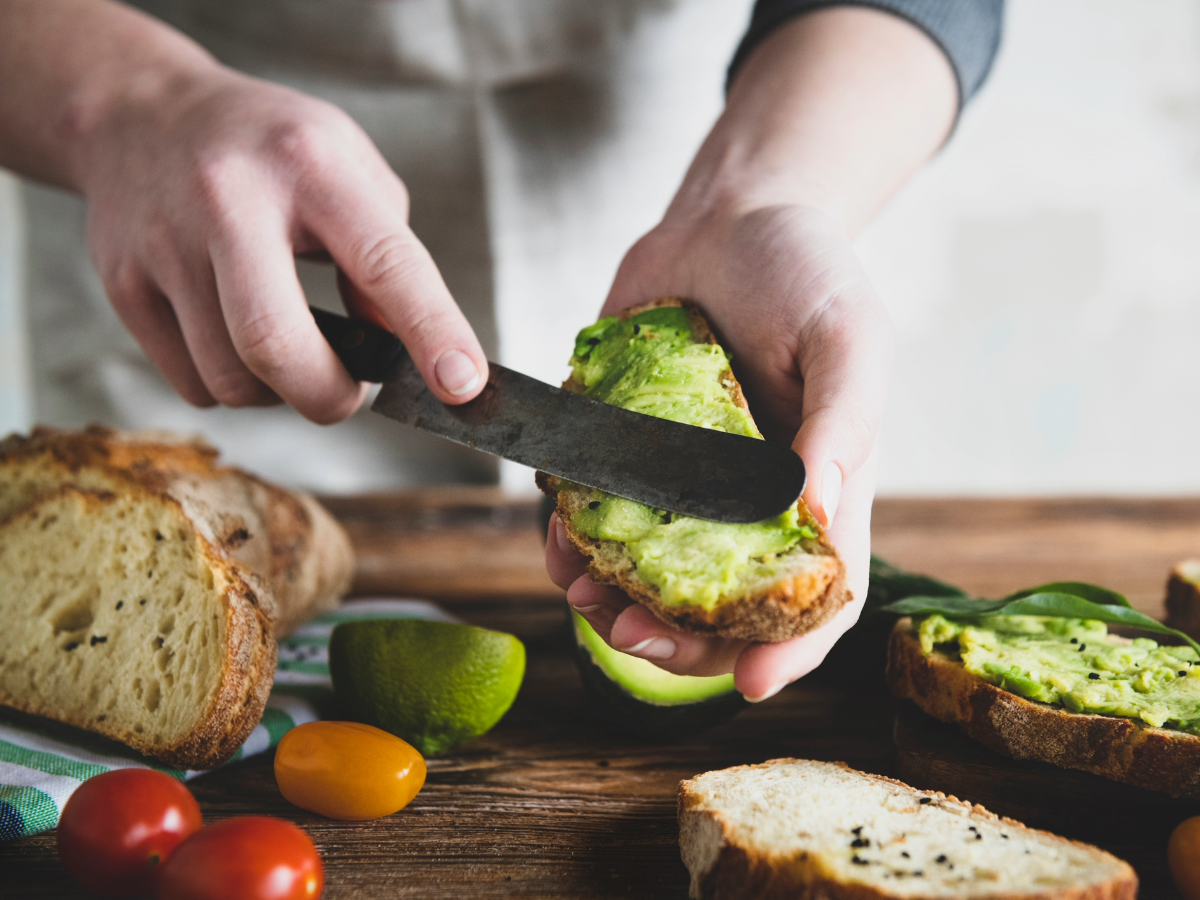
798,828
806,588
1117,748
285,537
122,618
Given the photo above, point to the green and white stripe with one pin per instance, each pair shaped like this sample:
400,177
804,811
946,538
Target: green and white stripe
43,762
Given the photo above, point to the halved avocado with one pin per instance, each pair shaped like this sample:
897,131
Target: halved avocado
639,697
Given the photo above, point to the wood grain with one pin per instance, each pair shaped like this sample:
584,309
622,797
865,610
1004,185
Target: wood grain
554,803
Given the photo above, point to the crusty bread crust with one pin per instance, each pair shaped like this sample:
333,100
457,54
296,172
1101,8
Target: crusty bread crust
1120,749
246,675
286,538
741,870
799,601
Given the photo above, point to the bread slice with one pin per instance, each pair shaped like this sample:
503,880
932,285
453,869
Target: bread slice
1117,748
286,538
808,585
122,618
797,828
1183,598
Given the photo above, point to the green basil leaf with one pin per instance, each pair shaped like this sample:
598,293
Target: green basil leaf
888,584
961,605
1092,592
1068,606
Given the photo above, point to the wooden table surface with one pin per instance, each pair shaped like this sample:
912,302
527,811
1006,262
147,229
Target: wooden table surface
553,803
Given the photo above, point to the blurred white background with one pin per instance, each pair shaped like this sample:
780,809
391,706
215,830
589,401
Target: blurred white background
1043,272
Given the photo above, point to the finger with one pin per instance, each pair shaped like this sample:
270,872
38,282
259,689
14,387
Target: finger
269,322
764,669
846,360
151,320
192,293
637,632
564,564
394,273
598,604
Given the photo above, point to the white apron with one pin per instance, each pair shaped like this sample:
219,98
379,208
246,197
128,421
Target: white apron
538,140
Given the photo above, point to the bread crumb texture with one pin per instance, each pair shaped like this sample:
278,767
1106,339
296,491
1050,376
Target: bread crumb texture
118,617
801,828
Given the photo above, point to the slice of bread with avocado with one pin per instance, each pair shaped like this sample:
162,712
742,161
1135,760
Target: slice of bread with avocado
1062,691
807,829
768,581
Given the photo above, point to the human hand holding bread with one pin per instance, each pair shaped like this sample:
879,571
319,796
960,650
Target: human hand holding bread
759,236
815,361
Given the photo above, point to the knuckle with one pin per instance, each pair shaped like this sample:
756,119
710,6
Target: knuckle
214,182
234,387
387,263
859,437
310,144
124,283
264,345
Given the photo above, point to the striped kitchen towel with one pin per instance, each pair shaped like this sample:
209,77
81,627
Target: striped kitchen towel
43,762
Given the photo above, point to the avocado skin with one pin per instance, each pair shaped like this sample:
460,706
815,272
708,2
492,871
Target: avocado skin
646,720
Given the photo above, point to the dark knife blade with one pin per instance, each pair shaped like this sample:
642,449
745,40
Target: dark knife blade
663,464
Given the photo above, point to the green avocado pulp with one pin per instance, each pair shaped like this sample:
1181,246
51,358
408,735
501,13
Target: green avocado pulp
649,364
1077,664
644,680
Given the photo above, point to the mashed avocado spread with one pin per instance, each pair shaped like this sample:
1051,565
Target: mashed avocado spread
649,364
1075,663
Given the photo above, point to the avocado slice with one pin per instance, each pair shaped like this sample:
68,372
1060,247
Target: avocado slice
641,698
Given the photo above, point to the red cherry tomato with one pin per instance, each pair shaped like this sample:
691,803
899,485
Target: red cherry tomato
118,827
249,858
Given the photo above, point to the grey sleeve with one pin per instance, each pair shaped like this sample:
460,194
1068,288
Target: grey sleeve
967,31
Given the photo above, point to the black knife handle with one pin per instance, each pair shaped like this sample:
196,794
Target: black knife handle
367,352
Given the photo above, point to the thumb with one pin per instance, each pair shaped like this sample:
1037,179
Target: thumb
846,359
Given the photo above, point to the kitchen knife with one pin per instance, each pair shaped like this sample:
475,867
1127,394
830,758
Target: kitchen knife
667,465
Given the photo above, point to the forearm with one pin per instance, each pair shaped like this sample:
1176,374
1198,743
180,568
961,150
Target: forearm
835,110
66,64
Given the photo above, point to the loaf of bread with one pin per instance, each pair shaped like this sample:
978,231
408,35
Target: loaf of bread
1118,748
795,592
141,586
284,537
802,829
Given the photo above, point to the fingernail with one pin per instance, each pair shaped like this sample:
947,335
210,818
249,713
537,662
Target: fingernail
560,535
831,491
769,694
456,373
586,609
652,648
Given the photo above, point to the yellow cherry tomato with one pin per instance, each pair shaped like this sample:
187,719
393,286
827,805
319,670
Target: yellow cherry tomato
1183,856
347,771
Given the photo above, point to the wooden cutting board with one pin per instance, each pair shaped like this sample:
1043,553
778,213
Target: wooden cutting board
556,803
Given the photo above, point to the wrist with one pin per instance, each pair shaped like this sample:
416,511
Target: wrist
730,178
129,102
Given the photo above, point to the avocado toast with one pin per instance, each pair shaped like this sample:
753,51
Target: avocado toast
767,581
1063,691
